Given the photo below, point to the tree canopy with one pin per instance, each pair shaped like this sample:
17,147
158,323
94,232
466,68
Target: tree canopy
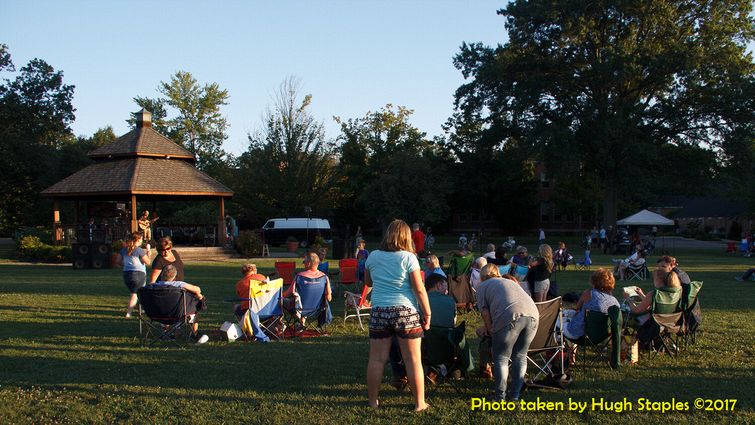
198,124
288,164
615,90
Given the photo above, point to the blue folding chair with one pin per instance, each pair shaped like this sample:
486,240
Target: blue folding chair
504,269
323,267
521,272
313,303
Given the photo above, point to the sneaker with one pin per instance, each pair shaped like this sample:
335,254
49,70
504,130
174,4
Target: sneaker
432,377
203,339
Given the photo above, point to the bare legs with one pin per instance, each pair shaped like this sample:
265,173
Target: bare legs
131,304
411,352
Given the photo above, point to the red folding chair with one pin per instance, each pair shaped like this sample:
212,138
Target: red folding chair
348,271
286,270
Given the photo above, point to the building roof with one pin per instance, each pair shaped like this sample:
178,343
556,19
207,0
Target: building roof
138,176
141,162
142,141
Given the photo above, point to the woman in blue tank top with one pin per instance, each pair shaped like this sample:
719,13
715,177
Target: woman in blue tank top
398,295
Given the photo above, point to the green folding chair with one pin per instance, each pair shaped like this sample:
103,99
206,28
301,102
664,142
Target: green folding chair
443,351
602,336
668,314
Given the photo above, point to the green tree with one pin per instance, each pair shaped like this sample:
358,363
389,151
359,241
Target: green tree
389,169
36,111
611,89
197,124
289,164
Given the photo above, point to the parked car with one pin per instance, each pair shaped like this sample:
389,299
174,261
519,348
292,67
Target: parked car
277,230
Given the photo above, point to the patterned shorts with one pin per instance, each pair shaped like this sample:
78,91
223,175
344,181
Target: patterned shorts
404,322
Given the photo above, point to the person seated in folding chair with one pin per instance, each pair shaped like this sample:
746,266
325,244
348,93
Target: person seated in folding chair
619,265
490,254
635,261
641,311
432,265
510,317
598,298
444,315
474,276
169,275
292,300
500,258
249,273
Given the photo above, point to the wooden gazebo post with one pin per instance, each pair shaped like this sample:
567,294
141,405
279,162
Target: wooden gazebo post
134,224
221,222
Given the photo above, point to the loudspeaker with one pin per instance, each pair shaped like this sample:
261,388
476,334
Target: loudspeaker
100,254
82,256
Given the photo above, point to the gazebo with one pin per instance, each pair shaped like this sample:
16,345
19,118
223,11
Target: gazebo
142,165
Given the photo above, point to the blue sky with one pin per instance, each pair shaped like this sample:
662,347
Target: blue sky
352,56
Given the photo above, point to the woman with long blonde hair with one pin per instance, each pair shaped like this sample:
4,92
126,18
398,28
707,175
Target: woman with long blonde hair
134,260
398,298
539,274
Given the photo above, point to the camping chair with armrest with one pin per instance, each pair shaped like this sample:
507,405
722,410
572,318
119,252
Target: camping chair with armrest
267,301
323,267
639,271
503,270
357,303
520,272
314,307
667,317
348,272
693,315
547,350
458,281
443,351
602,329
166,312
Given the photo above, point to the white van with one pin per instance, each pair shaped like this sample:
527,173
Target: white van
277,230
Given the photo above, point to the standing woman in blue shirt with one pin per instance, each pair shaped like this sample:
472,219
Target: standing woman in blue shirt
398,297
134,259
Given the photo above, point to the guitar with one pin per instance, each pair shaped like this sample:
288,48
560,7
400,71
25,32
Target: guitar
145,223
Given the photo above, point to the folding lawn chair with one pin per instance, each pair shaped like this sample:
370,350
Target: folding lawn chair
286,270
601,329
314,306
547,350
267,302
323,267
443,351
165,313
585,263
693,315
348,271
520,272
668,320
504,269
637,272
458,281
357,303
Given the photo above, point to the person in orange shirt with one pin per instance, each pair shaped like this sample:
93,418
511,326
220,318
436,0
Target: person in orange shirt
249,271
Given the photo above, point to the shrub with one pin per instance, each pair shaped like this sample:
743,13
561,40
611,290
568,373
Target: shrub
31,248
248,244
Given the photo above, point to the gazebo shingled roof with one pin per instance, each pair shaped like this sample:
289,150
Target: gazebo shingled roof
135,164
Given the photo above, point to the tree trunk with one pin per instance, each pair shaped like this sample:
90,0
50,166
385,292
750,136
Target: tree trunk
609,204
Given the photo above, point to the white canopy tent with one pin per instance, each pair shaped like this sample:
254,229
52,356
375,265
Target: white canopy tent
645,218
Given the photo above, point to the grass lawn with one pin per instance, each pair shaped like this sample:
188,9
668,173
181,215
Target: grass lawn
68,356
